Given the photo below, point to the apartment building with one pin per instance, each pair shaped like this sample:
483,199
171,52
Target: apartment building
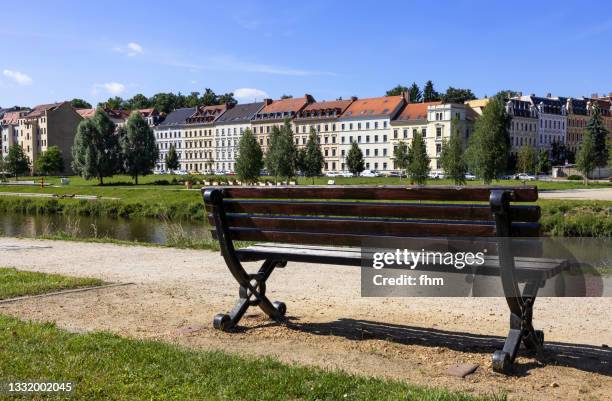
9,130
49,125
322,118
199,138
605,106
552,119
229,128
577,120
523,128
273,114
367,122
172,131
441,118
412,120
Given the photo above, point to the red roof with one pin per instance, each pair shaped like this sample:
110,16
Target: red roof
375,106
11,117
415,111
86,113
287,105
207,114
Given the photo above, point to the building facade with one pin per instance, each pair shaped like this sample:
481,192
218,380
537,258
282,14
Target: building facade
9,130
171,132
228,130
412,120
367,122
577,120
273,114
49,125
322,117
200,138
523,128
552,120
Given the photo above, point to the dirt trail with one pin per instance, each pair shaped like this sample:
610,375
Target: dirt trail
177,292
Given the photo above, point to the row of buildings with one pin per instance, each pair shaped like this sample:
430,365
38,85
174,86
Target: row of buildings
207,138
54,124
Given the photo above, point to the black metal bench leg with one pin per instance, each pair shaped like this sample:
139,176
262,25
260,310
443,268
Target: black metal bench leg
252,293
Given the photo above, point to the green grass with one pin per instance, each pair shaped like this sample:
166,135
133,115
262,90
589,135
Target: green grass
15,283
105,366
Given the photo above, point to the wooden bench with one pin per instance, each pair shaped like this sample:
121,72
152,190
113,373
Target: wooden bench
328,225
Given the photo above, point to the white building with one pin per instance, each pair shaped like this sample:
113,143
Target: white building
172,131
228,129
552,120
367,122
9,130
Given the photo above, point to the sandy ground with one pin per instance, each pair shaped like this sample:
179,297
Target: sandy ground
604,194
177,292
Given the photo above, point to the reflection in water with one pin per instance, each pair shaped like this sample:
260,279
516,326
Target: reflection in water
141,230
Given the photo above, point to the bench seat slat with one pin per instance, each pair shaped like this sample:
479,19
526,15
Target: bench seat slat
441,193
526,267
378,209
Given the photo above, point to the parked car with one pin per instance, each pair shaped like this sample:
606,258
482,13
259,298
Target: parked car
346,174
505,177
470,176
524,177
369,173
332,174
181,172
159,172
436,175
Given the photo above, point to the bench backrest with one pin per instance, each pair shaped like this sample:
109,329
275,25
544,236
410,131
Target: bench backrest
345,215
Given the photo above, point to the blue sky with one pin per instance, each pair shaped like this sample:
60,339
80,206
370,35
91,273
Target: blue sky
59,50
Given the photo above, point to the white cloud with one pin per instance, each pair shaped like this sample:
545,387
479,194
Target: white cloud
18,77
113,88
249,94
131,49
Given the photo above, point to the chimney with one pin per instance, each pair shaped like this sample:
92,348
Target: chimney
309,98
353,98
610,94
549,95
406,97
520,94
267,102
532,94
594,95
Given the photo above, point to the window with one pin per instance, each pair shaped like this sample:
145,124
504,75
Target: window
367,138
438,148
384,151
367,125
438,132
395,134
367,152
375,124
358,126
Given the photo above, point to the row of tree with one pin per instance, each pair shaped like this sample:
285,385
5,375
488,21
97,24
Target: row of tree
163,102
429,94
18,163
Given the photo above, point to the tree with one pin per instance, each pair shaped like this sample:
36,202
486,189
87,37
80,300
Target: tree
138,101
543,164
17,162
138,147
80,104
313,156
282,153
172,161
457,95
50,161
429,93
487,154
526,159
452,155
586,159
418,161
505,95
113,103
250,158
398,90
227,98
286,96
95,151
354,159
414,93
192,100
400,154
599,134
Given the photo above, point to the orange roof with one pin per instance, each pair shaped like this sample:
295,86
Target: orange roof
287,105
415,111
375,106
86,113
11,117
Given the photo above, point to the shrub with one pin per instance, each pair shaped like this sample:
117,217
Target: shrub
575,177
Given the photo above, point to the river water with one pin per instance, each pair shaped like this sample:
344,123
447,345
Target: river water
141,230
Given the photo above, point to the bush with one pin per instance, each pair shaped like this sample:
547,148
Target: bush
575,177
161,182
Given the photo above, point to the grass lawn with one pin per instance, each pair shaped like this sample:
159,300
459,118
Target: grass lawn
15,283
105,366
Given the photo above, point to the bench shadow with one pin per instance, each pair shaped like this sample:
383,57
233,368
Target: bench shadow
583,357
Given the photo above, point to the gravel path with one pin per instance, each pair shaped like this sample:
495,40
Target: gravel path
177,292
604,194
